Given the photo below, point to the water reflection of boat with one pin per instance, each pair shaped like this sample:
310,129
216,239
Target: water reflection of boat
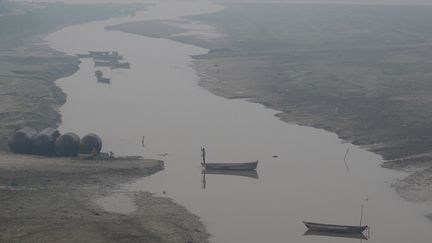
250,173
359,236
333,228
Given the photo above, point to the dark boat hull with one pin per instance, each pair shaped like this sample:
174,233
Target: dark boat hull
333,228
231,166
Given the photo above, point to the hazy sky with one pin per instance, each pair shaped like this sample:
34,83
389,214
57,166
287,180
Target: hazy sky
296,1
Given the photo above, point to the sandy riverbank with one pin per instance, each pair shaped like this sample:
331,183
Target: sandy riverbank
367,83
53,200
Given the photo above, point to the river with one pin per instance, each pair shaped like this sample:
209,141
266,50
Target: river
301,173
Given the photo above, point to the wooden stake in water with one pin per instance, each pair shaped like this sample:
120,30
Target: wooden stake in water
361,215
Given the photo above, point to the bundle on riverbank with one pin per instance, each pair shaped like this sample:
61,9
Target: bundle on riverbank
49,142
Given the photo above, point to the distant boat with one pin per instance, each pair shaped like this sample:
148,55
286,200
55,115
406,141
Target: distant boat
104,80
102,64
98,74
98,53
83,55
108,58
333,228
116,65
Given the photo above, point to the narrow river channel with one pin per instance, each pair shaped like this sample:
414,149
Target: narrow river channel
301,173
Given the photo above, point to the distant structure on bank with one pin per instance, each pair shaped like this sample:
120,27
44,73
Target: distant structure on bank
89,142
21,141
44,142
67,145
49,142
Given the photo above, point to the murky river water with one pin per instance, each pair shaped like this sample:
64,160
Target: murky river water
158,98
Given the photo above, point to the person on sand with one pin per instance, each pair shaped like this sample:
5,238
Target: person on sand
203,154
94,153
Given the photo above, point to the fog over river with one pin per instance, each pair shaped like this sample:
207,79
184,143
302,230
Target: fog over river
301,173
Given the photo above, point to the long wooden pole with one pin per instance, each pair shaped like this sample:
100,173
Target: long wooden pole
361,215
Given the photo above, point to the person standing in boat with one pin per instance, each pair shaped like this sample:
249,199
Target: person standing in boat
203,154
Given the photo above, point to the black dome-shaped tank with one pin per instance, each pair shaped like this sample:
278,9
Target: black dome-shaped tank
21,141
67,145
44,141
90,141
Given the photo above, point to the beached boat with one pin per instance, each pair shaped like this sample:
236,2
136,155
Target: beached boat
335,228
231,166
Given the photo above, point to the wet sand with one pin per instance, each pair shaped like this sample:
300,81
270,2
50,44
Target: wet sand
53,200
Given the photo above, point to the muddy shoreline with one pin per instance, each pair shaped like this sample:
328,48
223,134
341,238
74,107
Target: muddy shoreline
357,88
53,200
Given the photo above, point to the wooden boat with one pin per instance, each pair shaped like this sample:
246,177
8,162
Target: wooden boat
333,228
98,53
231,166
102,64
116,65
103,80
108,58
359,236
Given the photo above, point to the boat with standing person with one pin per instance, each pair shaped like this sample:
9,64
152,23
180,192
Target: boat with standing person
227,166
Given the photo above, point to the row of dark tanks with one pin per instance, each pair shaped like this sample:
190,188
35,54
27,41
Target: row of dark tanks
49,142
